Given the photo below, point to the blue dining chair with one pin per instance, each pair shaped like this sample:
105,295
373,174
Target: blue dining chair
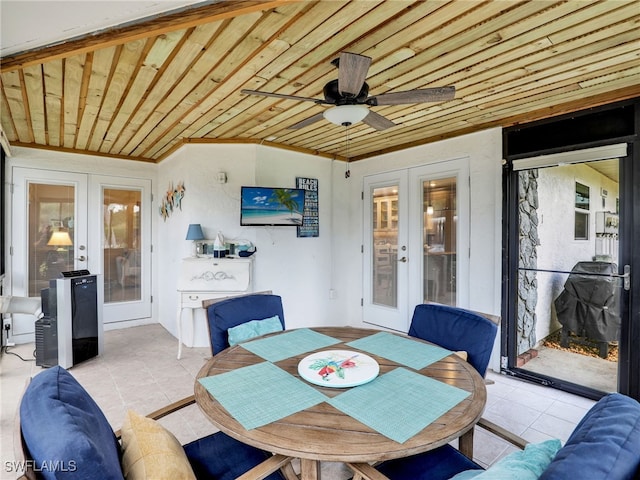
456,329
232,312
59,421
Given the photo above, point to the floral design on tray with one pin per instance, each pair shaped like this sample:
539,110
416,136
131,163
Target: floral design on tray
327,366
338,368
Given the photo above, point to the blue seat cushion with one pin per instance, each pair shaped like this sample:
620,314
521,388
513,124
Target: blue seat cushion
439,464
222,316
456,329
604,445
220,457
65,432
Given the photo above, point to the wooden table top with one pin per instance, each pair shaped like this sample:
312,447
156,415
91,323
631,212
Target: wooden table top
324,433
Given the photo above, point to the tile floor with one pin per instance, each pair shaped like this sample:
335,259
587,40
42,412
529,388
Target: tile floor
139,371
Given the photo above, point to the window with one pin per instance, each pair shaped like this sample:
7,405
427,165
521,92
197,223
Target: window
582,212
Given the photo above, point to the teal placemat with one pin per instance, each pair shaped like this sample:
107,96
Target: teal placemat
289,344
260,394
399,404
406,351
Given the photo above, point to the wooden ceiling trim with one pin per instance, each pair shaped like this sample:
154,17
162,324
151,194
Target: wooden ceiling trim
105,107
203,79
73,72
626,70
154,64
261,47
520,118
194,47
513,114
469,40
306,109
159,62
100,74
528,12
19,104
33,88
8,128
366,42
81,152
180,19
53,76
467,96
251,54
127,62
224,92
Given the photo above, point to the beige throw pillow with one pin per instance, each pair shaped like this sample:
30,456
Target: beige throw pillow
152,452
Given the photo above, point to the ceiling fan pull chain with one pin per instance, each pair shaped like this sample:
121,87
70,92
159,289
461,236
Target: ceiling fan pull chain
347,172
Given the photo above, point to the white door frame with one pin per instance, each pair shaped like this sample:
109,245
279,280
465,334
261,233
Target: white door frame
410,224
131,310
87,232
382,315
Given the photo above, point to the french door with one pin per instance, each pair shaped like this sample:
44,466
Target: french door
65,221
416,224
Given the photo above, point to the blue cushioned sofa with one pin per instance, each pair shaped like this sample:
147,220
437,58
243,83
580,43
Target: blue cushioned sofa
605,445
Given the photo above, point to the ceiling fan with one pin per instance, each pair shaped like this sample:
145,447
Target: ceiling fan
350,96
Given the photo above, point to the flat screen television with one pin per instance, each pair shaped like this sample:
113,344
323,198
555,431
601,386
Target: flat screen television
271,206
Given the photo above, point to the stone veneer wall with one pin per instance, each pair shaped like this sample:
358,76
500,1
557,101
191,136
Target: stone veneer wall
528,258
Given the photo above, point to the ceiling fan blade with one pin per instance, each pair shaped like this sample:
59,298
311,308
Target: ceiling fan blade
352,72
280,95
437,94
377,121
306,122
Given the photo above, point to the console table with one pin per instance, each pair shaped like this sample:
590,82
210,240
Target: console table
206,278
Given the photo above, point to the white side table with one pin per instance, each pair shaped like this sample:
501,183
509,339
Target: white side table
205,278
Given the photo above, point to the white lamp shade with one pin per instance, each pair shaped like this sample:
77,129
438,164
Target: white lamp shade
60,239
346,114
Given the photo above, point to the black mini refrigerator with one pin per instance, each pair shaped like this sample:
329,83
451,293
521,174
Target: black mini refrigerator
73,315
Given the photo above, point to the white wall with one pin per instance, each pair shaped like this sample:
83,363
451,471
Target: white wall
320,279
298,269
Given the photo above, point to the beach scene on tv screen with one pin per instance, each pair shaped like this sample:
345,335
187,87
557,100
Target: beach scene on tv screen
272,206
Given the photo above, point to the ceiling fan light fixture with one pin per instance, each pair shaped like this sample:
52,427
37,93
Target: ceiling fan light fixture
346,115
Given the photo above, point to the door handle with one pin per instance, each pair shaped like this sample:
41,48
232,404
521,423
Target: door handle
82,258
626,283
403,259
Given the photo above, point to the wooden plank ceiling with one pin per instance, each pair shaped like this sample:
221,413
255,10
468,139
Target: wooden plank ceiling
142,90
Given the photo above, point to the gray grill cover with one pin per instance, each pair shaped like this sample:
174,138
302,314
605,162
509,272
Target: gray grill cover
589,305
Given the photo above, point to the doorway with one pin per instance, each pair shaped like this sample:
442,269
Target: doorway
571,203
570,291
416,224
66,221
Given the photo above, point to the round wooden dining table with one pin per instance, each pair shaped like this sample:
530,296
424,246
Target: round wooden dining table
324,433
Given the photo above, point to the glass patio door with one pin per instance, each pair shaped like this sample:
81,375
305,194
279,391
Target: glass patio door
572,283
52,232
122,233
385,250
417,222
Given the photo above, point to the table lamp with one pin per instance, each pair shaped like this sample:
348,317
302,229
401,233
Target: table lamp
60,239
195,233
